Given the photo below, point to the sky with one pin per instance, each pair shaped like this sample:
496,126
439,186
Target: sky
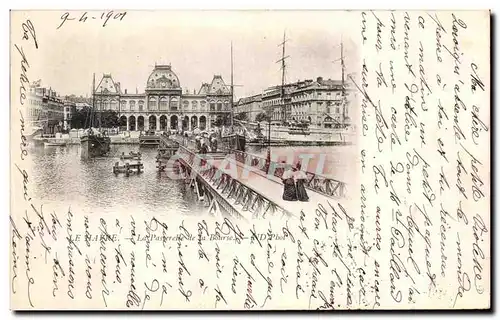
195,43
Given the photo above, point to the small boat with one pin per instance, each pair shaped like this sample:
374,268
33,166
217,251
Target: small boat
55,144
165,153
162,165
94,143
128,168
131,156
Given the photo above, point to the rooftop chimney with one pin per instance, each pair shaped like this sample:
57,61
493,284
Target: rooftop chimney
319,80
125,91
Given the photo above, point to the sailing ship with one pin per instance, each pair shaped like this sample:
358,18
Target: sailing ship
285,131
93,142
233,140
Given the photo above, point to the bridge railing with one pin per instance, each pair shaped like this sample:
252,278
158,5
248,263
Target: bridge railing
232,190
165,142
316,182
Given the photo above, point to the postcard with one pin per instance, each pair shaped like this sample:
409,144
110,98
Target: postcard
250,160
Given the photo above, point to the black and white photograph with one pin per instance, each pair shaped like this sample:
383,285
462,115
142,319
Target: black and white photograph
203,119
206,160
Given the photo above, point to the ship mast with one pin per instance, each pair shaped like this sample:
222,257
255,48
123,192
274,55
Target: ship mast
100,111
343,81
283,66
232,89
343,89
93,103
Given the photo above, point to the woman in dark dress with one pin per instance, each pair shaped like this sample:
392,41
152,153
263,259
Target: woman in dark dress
301,180
290,191
203,150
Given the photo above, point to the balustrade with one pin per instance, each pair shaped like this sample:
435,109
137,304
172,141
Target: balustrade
231,189
324,185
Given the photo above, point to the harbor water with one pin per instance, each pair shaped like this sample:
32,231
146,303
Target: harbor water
61,177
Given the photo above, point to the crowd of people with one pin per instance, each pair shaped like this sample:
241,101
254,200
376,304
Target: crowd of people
204,145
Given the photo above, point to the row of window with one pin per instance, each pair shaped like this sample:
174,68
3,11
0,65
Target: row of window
302,111
306,96
276,102
35,102
272,102
35,113
163,104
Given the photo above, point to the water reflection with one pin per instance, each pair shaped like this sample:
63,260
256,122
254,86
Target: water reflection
60,175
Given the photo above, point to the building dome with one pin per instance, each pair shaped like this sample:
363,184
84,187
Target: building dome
163,77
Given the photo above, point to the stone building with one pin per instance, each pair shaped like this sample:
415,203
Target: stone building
318,102
69,111
45,110
164,105
249,107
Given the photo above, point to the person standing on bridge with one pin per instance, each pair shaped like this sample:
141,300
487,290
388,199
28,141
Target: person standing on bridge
214,144
204,148
300,181
290,190
198,143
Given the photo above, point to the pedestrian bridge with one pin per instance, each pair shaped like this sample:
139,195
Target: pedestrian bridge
237,184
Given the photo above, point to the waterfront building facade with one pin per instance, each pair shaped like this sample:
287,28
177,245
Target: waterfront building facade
69,111
248,108
164,105
319,102
45,110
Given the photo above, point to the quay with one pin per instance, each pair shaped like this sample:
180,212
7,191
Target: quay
298,143
247,191
149,139
125,138
152,139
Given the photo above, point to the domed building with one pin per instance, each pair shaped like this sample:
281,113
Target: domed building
164,105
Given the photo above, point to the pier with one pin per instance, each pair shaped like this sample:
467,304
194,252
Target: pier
149,139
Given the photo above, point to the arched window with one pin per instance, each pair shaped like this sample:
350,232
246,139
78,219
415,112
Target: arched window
194,104
226,105
163,103
174,104
219,105
132,105
141,105
114,104
212,105
105,105
203,104
185,104
152,105
123,105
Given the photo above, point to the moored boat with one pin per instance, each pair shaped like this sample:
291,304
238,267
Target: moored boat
128,168
131,156
93,142
94,145
55,144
